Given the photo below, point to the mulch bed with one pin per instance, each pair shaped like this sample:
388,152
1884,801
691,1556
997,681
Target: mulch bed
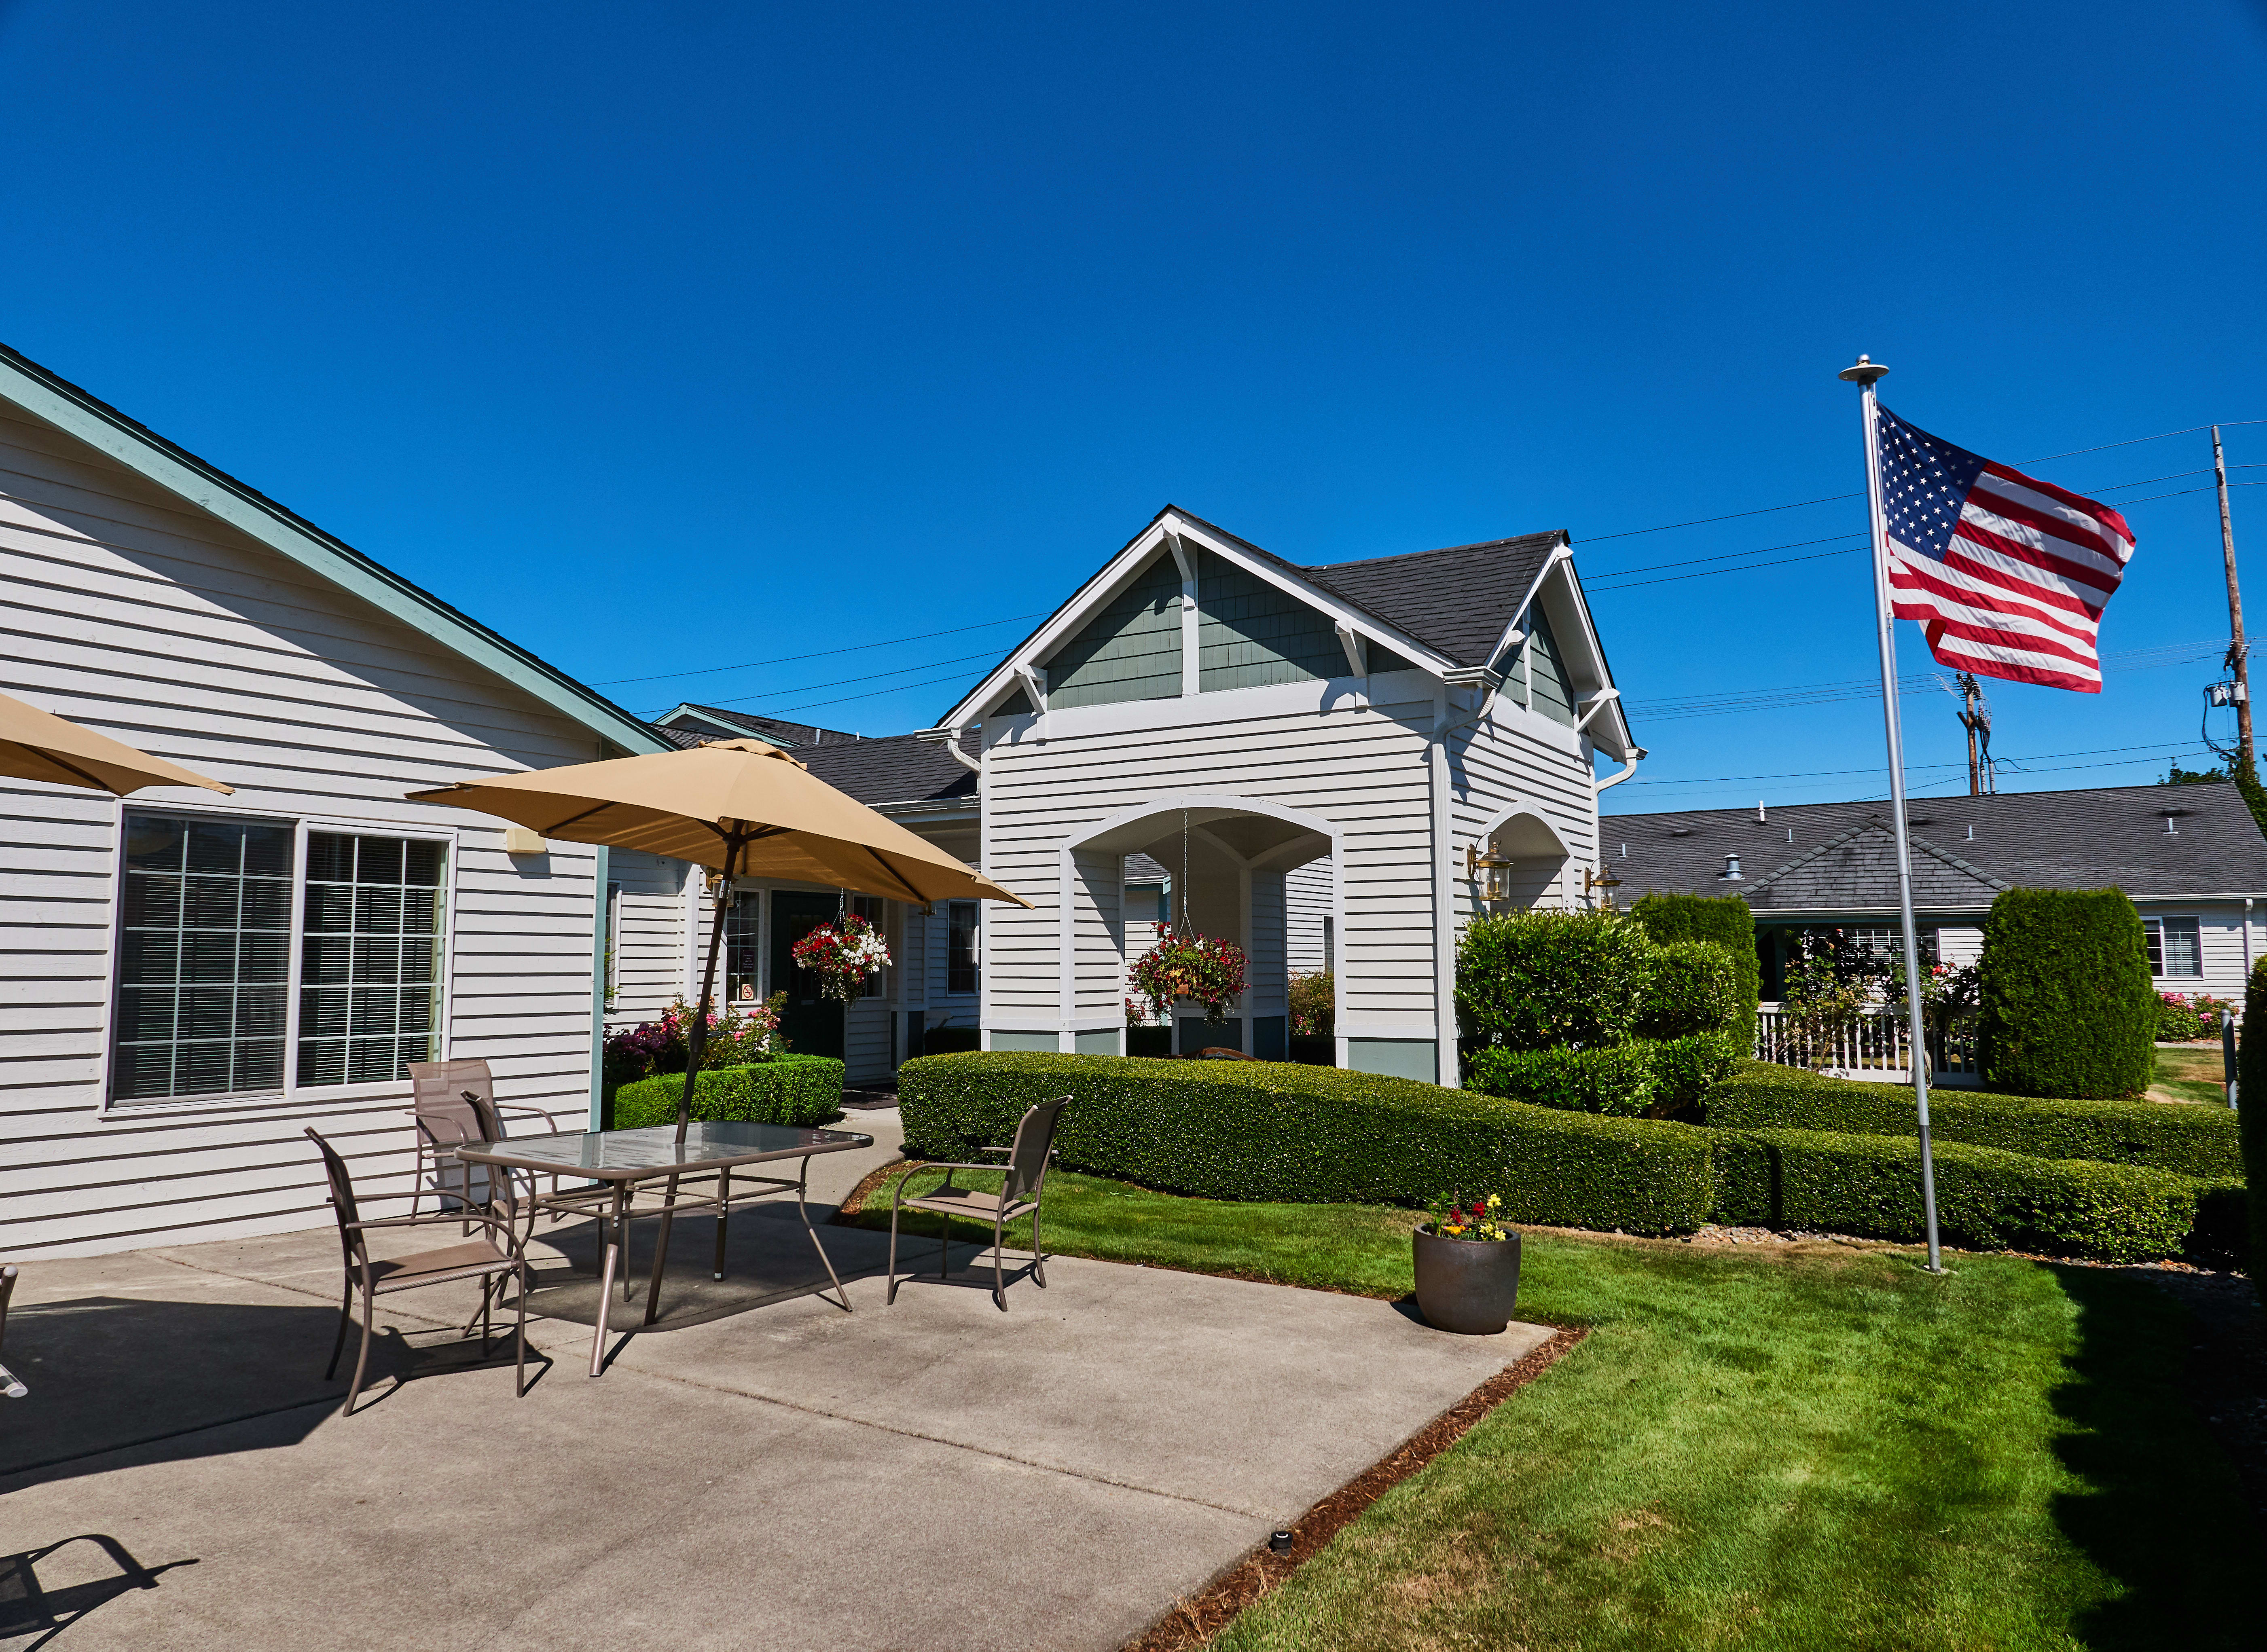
1193,1621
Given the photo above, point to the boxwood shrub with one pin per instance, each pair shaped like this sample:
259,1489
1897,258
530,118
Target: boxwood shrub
791,1089
1536,980
1694,989
1727,922
1646,1076
2067,1007
1278,1131
2184,1138
1870,1185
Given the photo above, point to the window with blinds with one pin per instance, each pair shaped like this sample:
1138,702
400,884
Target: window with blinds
370,966
204,955
2176,946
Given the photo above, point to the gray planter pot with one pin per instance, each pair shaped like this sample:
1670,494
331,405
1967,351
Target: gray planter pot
1468,1286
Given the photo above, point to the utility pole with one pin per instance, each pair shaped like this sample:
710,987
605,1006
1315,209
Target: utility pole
1968,694
2238,665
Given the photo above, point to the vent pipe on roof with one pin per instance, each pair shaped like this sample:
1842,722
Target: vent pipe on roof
1760,815
1731,872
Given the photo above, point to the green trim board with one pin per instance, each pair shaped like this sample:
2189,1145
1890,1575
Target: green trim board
1099,1041
58,402
1002,1041
1129,651
1252,632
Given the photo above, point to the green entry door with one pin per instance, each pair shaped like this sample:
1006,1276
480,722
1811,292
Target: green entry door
812,1024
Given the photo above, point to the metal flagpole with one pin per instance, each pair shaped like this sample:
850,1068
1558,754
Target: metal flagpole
1864,375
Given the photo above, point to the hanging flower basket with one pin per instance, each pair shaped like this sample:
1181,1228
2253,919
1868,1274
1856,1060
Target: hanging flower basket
1198,968
844,957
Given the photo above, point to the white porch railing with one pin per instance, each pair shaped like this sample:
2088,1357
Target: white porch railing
1876,1047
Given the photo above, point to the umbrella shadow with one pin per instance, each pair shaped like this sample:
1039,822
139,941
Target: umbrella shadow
29,1605
171,1380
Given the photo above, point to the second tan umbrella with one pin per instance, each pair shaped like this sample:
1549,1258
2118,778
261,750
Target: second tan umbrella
743,808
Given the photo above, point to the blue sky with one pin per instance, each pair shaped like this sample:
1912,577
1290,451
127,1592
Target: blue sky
676,337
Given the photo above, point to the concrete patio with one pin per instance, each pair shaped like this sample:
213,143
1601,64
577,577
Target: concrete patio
759,1469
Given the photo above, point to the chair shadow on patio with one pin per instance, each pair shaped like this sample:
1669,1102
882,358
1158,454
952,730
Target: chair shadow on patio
768,1259
172,1379
76,1581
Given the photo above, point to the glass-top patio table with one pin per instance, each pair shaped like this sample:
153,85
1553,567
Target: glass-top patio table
619,1160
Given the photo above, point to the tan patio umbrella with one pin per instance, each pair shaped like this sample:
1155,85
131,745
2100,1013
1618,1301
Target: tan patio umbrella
743,808
37,744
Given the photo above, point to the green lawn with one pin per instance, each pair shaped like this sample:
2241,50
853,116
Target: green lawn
1799,1449
2198,1074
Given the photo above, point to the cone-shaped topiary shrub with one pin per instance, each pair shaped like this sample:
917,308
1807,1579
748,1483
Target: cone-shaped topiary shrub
2251,1111
2068,1008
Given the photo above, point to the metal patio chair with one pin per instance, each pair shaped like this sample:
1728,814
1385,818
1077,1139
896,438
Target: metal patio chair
482,1258
1018,1197
10,1385
447,1100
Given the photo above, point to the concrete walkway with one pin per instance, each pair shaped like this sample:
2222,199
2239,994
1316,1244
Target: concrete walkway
760,1470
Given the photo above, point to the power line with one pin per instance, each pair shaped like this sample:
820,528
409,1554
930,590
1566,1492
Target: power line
789,659
1798,695
1837,498
1829,773
845,682
951,677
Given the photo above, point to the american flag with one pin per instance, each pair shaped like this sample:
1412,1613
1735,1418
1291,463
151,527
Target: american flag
2007,574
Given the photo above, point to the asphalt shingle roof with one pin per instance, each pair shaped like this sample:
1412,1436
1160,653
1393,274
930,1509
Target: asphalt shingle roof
898,769
797,735
2114,837
1459,600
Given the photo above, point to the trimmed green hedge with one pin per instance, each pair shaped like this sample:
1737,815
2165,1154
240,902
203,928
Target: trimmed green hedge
1278,1131
2067,1006
1724,918
1621,1080
2183,1138
1870,1185
789,1088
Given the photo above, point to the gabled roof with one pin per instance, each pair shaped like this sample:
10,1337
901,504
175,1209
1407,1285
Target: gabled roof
56,401
1443,609
2111,837
1858,869
1461,600
714,722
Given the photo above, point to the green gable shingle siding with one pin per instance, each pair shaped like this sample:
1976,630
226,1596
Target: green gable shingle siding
1130,650
1250,634
1554,695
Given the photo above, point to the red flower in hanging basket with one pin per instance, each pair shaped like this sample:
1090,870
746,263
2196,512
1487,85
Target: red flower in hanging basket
844,957
1195,968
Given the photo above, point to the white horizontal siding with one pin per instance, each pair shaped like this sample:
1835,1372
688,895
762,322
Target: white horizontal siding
128,611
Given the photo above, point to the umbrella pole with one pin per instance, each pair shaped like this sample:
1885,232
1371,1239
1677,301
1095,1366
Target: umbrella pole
700,1035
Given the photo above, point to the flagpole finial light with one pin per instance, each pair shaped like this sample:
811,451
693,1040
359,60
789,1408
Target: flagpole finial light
1865,373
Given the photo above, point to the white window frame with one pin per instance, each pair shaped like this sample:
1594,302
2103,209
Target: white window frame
292,1094
2156,921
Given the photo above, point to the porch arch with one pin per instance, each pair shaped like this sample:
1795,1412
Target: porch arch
1520,832
1230,880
